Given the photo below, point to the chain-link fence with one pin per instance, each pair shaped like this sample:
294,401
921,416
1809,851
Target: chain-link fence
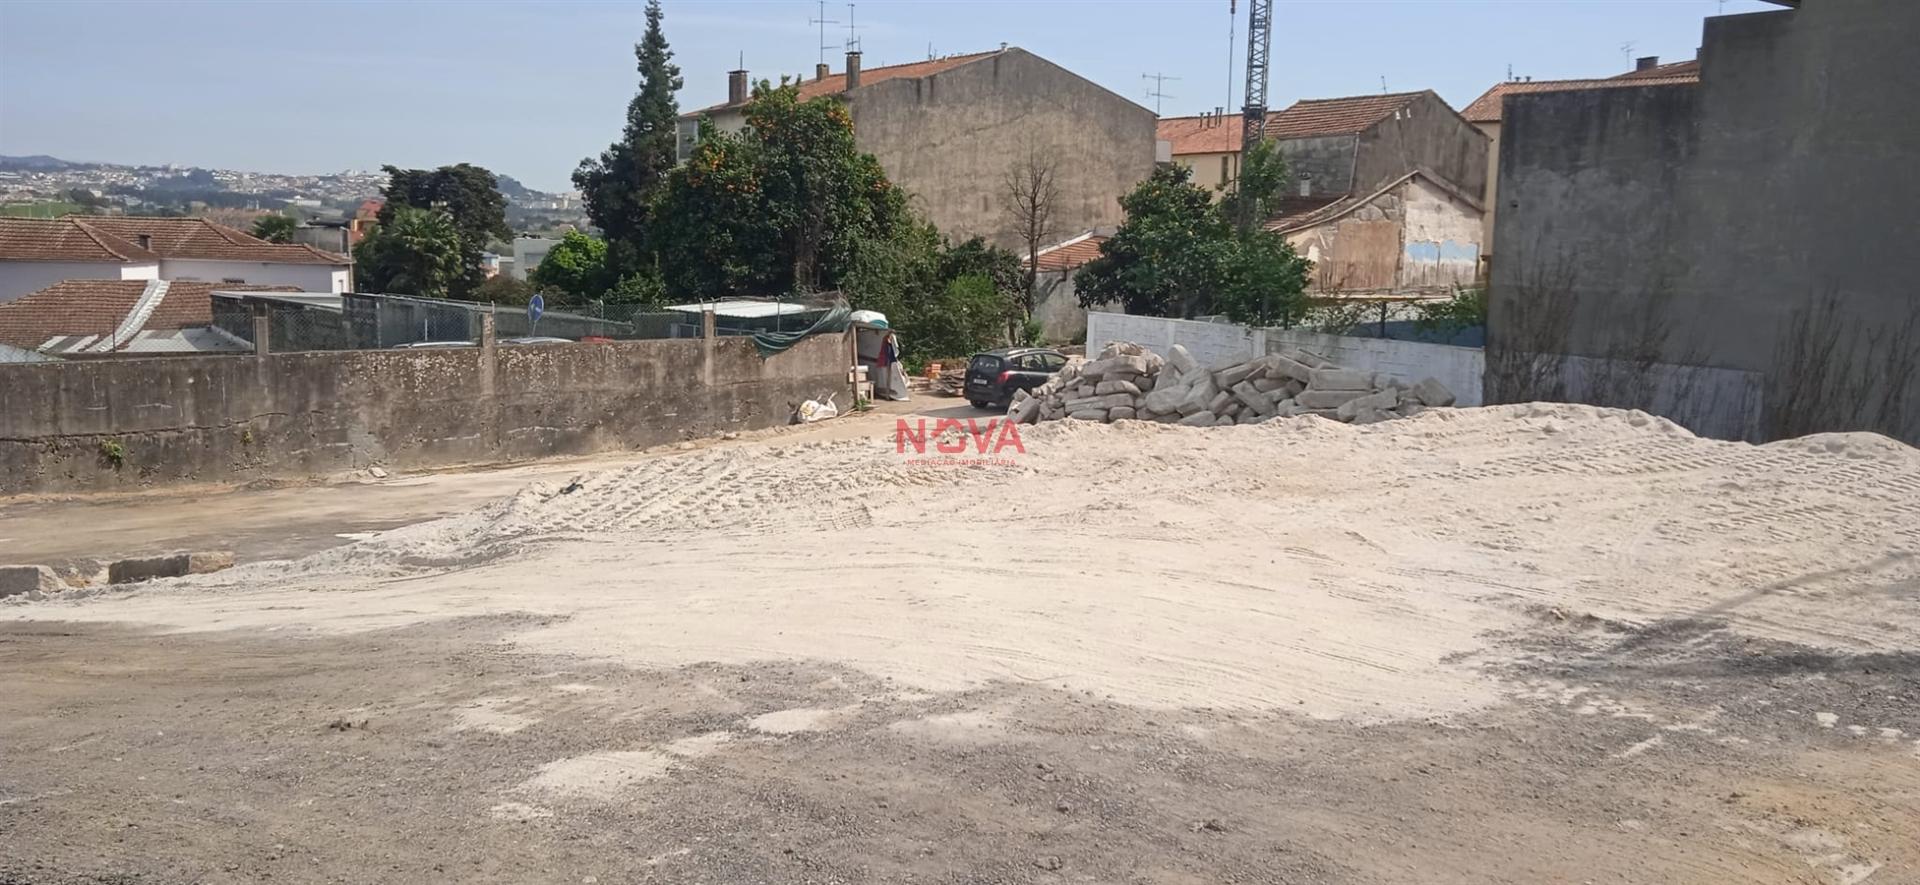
359,321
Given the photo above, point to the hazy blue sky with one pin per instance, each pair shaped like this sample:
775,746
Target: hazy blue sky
528,88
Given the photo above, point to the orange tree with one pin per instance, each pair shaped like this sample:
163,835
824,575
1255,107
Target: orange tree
780,206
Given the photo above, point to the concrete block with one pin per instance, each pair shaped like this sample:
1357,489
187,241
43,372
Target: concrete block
1226,378
1268,384
16,580
1120,413
1145,383
1117,386
1199,394
1310,359
1182,361
1252,398
1340,379
1282,366
1372,416
1327,399
1373,402
1224,421
1025,411
1121,348
1328,414
1164,398
1230,410
1219,402
1295,386
1129,364
1199,419
1170,418
1088,415
147,568
1431,392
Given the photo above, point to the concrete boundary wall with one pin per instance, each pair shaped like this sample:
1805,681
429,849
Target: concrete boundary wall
1459,368
115,424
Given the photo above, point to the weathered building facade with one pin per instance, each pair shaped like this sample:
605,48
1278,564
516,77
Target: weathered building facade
1387,193
1485,114
1756,226
948,130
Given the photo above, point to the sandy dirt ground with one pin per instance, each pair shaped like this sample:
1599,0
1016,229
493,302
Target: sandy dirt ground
1520,644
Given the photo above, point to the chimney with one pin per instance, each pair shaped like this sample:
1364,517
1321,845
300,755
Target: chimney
820,71
853,69
736,87
1646,62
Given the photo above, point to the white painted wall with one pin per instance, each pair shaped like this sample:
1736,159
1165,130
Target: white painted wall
528,252
1459,368
18,278
1441,238
309,277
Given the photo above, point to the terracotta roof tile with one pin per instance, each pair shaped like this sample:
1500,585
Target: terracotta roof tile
834,84
1205,134
96,307
46,239
1336,116
1070,254
198,238
1688,68
1487,108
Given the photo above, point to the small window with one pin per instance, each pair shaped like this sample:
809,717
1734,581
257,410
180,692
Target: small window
1223,169
232,280
1028,363
1052,362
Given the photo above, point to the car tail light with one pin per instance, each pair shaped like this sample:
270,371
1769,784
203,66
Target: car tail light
1003,377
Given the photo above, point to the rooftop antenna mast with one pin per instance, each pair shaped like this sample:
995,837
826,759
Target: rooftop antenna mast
853,31
1156,93
1253,114
823,22
1233,20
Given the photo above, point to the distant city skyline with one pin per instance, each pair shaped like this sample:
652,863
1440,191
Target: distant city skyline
528,89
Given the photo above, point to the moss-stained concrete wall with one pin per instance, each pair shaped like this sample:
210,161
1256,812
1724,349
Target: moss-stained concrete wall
235,418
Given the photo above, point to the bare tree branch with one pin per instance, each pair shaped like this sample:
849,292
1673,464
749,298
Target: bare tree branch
1032,200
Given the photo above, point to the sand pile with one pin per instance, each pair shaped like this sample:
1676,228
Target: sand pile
1128,381
1297,564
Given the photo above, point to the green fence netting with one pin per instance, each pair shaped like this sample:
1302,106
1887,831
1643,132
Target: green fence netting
835,320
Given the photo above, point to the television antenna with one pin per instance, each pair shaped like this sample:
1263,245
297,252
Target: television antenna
853,31
1156,93
823,22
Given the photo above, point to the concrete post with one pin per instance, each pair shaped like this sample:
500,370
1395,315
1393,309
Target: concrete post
262,328
489,350
707,337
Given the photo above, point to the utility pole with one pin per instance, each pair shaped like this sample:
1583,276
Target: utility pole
823,22
1253,114
1159,80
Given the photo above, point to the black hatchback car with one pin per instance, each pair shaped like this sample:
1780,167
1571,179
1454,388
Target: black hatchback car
994,375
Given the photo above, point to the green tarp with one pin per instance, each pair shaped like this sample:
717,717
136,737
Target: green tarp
835,320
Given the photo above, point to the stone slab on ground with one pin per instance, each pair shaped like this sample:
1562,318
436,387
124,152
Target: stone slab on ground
16,580
146,568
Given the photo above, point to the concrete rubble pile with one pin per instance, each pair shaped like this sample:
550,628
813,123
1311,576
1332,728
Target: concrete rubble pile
1127,381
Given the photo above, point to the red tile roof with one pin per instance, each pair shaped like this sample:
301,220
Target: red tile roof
1070,254
115,238
1205,134
834,84
97,307
1487,108
42,239
1336,116
1688,68
198,238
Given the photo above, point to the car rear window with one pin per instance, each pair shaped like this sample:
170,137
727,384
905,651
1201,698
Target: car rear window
985,363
